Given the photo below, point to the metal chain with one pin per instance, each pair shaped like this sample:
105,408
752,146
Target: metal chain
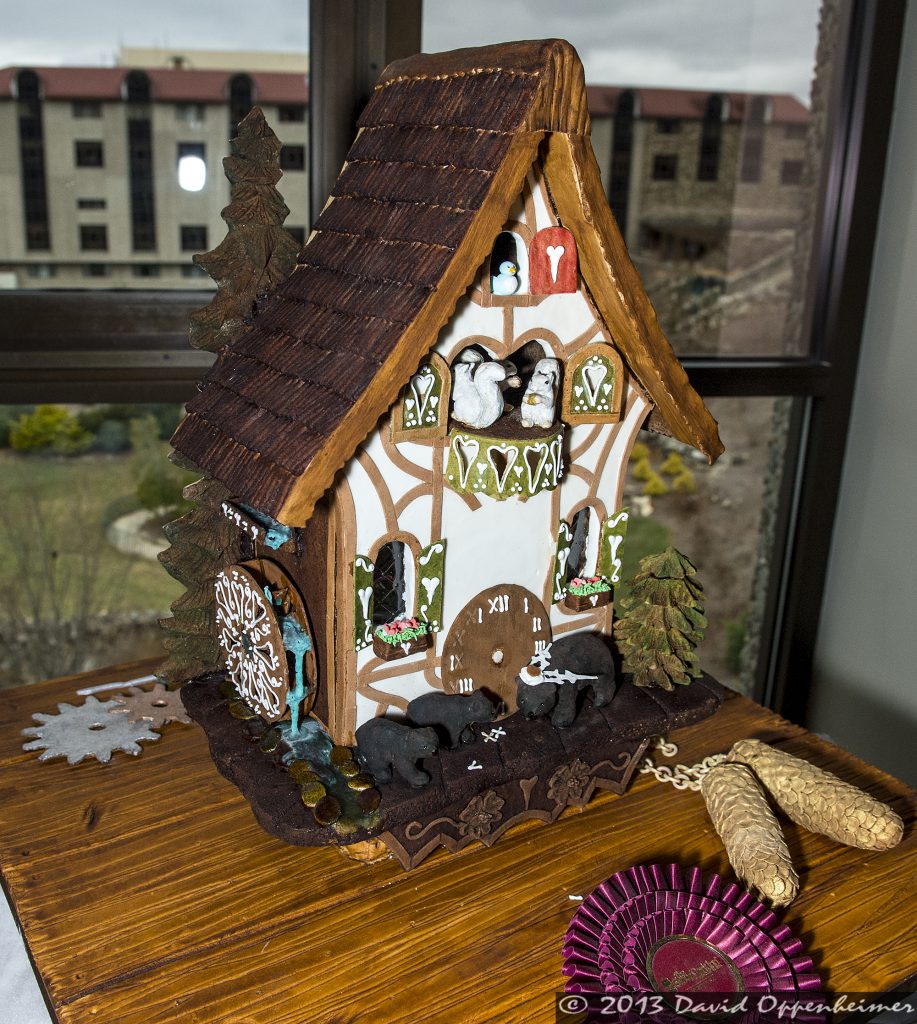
682,776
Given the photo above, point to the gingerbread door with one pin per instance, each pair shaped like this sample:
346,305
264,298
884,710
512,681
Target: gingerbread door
492,639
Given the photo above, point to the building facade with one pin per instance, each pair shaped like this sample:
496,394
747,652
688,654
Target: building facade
112,177
91,195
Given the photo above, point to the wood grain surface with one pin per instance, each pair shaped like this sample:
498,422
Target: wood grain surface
147,893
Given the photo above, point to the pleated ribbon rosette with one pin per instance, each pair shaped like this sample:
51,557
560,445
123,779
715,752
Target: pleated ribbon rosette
655,929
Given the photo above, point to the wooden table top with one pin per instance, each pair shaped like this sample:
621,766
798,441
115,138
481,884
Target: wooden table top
147,893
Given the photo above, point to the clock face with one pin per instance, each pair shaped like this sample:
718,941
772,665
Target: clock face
492,639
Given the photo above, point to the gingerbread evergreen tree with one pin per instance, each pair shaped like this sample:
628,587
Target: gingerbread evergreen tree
663,622
202,543
257,253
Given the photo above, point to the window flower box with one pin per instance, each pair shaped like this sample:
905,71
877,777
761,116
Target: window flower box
401,637
586,592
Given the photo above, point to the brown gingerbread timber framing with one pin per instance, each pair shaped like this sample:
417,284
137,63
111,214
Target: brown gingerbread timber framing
443,151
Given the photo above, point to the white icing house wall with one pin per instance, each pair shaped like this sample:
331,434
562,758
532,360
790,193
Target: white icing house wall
484,514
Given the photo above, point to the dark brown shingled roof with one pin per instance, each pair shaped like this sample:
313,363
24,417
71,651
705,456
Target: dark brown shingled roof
444,146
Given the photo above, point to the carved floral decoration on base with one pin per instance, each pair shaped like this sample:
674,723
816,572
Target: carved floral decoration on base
482,815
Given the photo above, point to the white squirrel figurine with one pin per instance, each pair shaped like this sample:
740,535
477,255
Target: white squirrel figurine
540,398
476,395
477,383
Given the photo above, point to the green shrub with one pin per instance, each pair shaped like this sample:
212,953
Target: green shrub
685,482
642,470
639,451
50,429
736,631
655,486
111,438
167,416
8,416
160,488
672,465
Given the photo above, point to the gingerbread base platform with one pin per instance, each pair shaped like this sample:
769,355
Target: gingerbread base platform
515,769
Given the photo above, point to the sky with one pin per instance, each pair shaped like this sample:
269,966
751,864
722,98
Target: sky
745,45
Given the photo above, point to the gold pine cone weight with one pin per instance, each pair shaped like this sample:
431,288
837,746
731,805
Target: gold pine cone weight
820,801
751,834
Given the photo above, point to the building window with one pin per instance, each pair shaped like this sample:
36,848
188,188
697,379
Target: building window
622,141
145,270
192,270
89,154
93,237
791,172
752,153
95,270
708,161
668,126
389,590
192,114
192,166
193,237
241,99
91,204
292,113
41,270
795,131
86,108
665,167
32,160
293,158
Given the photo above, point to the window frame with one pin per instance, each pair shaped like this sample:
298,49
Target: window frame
42,357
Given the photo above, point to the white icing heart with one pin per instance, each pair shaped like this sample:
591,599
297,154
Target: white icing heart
466,451
554,254
592,378
429,585
511,452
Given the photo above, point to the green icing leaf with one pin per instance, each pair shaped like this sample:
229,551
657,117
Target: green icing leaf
362,602
431,565
614,529
561,556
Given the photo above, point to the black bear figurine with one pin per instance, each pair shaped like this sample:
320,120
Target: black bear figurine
454,713
386,748
559,672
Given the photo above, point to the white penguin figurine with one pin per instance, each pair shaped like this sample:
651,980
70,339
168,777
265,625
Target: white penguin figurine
540,398
506,282
476,395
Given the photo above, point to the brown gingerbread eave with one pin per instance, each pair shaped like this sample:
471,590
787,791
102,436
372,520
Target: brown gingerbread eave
443,150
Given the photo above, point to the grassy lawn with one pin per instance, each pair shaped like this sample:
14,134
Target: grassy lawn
54,511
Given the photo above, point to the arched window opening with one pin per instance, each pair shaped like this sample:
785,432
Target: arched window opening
622,142
509,265
522,364
390,590
241,100
136,88
708,161
757,110
521,392
579,528
28,85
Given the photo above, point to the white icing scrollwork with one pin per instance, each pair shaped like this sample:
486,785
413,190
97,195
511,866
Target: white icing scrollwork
248,633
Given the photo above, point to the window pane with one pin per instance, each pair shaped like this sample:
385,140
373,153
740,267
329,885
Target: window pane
719,516
139,135
707,123
86,491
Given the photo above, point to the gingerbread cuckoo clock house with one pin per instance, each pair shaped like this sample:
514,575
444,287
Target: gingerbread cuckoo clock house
414,459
